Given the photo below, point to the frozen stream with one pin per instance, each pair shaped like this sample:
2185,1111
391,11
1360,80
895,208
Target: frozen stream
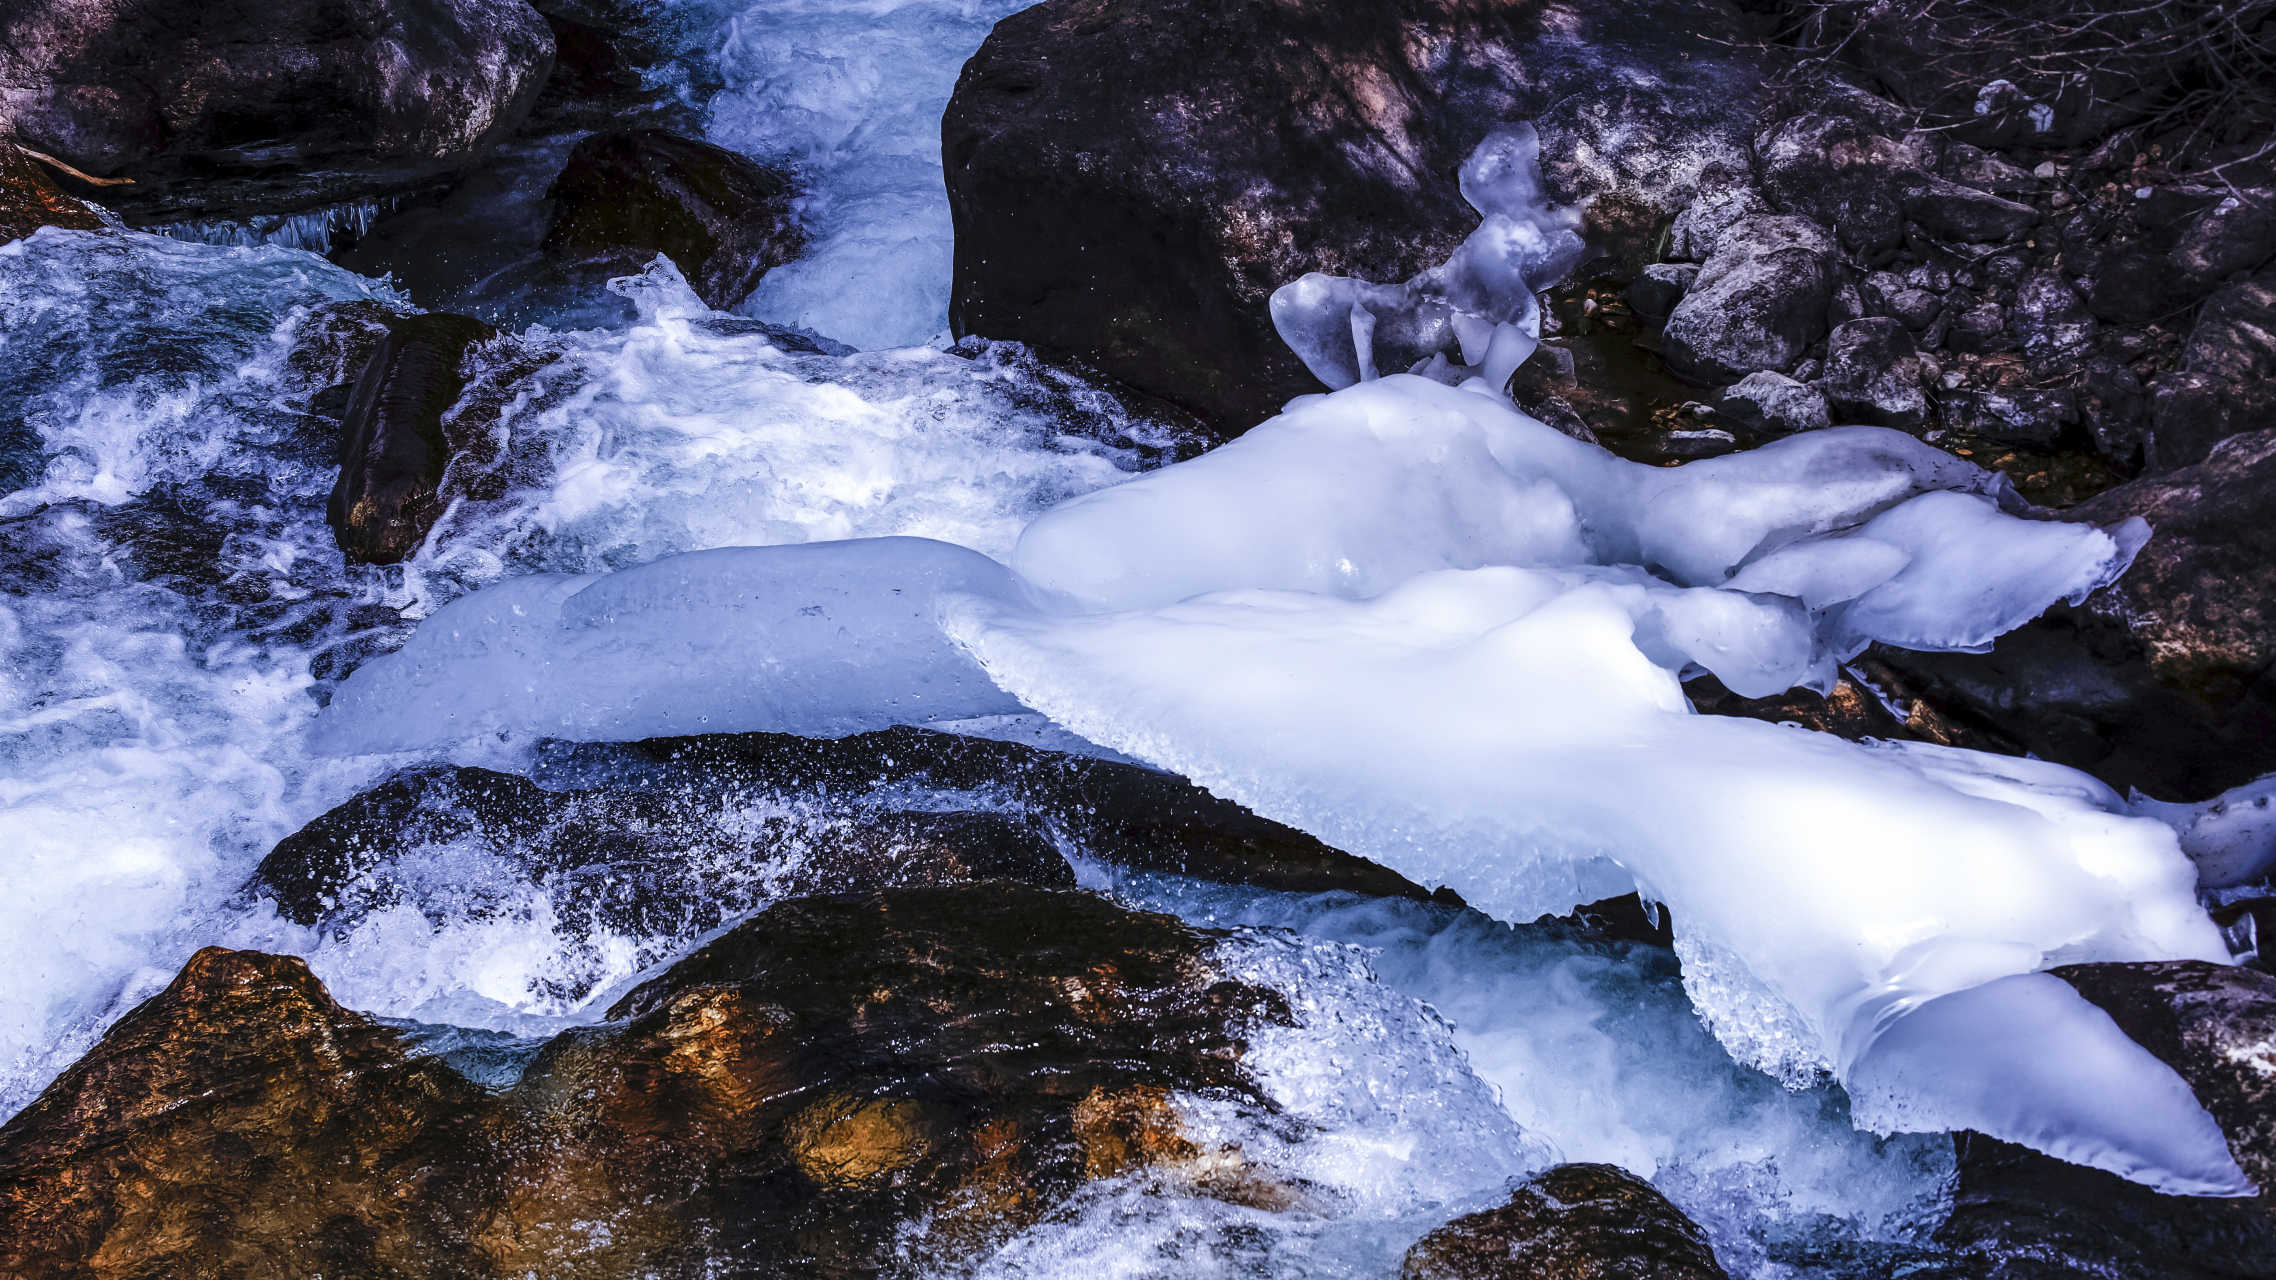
189,668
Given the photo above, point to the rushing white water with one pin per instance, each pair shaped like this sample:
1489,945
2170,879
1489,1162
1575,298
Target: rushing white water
175,608
851,97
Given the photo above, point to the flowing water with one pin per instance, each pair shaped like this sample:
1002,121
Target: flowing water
173,616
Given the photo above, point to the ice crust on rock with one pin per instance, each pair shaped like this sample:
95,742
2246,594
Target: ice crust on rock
1478,304
822,639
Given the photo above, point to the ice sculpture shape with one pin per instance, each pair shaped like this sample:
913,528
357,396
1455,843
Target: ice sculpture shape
1478,304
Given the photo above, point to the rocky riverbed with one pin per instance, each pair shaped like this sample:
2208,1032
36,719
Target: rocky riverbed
1447,640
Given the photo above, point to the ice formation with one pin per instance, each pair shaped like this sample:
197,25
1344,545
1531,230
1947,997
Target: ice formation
1478,304
1413,621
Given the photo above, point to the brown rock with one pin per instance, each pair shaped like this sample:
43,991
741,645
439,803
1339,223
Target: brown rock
242,1124
393,449
801,1088
1574,1222
787,1100
29,198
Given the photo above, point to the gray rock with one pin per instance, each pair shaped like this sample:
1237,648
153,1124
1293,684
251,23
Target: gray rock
2227,380
1775,404
1654,294
1716,209
1758,303
1981,328
1984,171
2032,417
2115,410
1890,295
2050,317
226,109
1873,375
1835,168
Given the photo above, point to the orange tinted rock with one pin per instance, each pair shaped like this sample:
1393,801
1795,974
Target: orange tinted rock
29,199
242,1123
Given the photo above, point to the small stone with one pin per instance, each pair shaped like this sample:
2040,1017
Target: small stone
2046,171
1873,375
1573,1222
1775,404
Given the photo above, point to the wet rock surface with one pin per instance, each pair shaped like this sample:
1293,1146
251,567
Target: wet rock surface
30,199
784,1101
1572,1222
224,110
1130,183
393,449
1119,813
724,219
242,1123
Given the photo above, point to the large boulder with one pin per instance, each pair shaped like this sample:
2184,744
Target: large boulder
725,219
2178,244
242,1123
2166,679
1130,182
1571,1222
229,108
2227,380
1759,302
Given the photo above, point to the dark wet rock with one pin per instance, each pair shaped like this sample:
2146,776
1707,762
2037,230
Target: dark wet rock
1130,182
1775,404
2215,1025
2227,380
1572,1222
392,447
723,218
1655,292
1981,329
2019,1215
1842,168
1758,303
226,108
2115,408
2036,418
242,1123
787,1098
2166,680
29,198
2181,244
1118,813
1873,375
653,869
1851,711
1984,171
